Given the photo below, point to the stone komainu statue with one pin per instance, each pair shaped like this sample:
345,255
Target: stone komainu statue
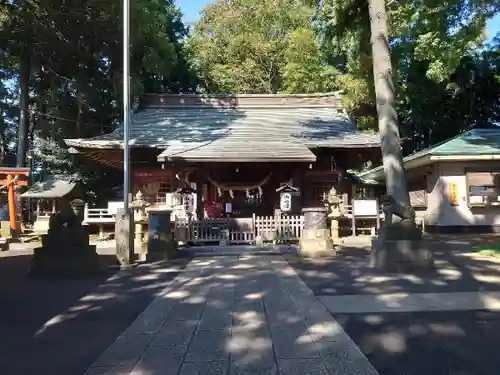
391,207
65,249
403,229
67,223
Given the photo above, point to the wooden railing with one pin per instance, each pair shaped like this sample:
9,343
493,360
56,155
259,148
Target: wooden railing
98,216
286,228
245,230
240,231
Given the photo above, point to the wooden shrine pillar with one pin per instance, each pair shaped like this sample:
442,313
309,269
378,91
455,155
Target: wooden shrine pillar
13,177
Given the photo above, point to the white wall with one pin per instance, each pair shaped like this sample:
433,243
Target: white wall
441,212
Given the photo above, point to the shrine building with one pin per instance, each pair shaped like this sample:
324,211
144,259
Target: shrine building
236,151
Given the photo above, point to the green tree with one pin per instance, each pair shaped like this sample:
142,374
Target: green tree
350,22
251,46
305,69
256,46
430,37
74,70
435,111
451,35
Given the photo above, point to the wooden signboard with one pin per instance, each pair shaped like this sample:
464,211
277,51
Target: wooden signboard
365,207
453,193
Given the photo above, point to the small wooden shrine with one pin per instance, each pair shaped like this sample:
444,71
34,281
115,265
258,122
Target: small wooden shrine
47,196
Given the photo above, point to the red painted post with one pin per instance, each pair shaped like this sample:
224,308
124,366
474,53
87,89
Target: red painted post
12,202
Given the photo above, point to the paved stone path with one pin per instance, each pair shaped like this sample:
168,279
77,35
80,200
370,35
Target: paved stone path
415,302
234,315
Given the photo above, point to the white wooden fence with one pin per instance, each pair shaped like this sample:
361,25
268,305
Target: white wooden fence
101,215
240,231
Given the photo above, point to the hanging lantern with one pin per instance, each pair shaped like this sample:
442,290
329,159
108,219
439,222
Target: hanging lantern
187,198
286,192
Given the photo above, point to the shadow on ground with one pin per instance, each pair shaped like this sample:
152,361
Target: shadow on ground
457,270
423,342
59,327
234,315
245,314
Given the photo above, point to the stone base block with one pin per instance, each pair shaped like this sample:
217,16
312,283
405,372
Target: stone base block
316,243
141,250
400,255
72,265
168,252
124,237
162,246
4,244
5,230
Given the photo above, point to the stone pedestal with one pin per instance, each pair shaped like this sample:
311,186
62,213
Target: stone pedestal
65,250
161,242
124,237
139,243
139,205
315,240
335,230
5,230
400,247
335,202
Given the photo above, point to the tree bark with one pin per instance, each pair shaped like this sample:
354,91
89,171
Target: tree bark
392,157
24,76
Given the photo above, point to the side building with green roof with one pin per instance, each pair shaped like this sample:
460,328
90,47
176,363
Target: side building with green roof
455,185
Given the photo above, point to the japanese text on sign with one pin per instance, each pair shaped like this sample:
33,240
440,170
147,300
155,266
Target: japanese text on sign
286,202
453,192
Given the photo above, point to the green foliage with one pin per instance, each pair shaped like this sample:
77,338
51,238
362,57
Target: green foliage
75,60
436,31
444,83
469,98
305,70
251,46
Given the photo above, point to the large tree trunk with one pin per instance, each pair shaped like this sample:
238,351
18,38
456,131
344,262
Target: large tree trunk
24,75
398,245
386,105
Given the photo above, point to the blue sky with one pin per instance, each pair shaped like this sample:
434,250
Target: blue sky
192,8
493,26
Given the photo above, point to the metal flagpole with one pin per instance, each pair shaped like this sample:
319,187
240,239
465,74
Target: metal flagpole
125,219
126,102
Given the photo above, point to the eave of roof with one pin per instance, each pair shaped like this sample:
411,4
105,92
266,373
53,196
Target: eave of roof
475,144
186,122
264,150
49,189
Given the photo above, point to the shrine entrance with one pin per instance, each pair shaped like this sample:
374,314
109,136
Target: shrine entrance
13,177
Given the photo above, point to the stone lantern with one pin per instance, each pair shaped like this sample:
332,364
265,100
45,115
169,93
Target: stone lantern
335,203
139,206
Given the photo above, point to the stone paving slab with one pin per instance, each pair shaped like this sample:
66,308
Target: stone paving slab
404,302
243,315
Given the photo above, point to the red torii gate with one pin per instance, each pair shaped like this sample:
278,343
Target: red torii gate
13,177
